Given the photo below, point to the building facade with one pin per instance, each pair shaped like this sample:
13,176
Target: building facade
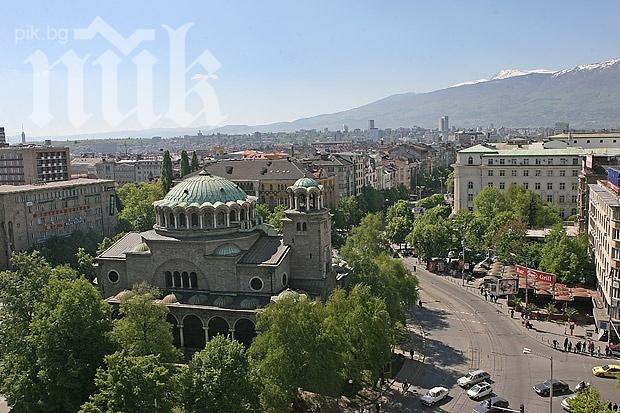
129,170
589,140
604,240
30,214
553,173
32,164
215,260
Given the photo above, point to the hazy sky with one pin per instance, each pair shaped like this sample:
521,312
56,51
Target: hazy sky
284,60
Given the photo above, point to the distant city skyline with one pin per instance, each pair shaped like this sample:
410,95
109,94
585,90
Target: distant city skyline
280,61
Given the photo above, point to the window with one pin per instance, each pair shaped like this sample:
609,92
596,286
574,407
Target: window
490,173
470,197
502,185
256,284
470,185
562,199
526,173
563,161
562,186
513,172
513,161
538,161
168,275
550,161
549,186
470,161
562,173
490,184
526,161
573,199
549,198
193,280
574,186
502,172
575,172
549,173
113,276
502,162
537,185
490,161
526,185
616,233
284,280
537,172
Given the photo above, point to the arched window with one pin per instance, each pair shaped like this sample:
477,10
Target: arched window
232,217
304,227
195,221
182,220
170,220
176,279
470,185
298,226
168,279
221,219
208,220
185,279
470,161
193,280
162,220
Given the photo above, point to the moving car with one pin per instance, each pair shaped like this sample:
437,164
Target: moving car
491,405
478,391
544,388
473,377
608,370
565,401
434,395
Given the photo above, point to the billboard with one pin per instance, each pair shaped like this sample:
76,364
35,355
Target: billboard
537,275
507,286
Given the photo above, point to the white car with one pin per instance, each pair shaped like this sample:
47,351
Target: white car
434,395
473,377
480,390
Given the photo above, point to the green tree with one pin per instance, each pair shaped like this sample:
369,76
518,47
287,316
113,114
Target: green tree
263,211
431,201
85,264
432,235
397,229
63,250
371,200
276,216
143,328
588,401
70,336
219,379
166,172
137,384
365,240
348,213
195,165
291,352
567,258
489,202
185,167
510,242
138,213
400,208
361,324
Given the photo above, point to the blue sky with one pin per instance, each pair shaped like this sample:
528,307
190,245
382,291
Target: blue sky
281,60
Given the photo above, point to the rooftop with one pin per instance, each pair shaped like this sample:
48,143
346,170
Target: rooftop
7,189
257,169
204,188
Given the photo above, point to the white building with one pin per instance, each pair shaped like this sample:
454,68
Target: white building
588,140
604,240
551,170
130,170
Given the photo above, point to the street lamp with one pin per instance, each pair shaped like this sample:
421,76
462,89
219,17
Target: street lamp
529,351
463,269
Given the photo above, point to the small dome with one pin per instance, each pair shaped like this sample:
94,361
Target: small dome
170,299
227,250
197,300
141,247
203,188
249,303
222,301
306,183
123,294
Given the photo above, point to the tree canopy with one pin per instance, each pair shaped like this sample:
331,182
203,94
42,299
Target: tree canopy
185,167
166,173
194,165
138,213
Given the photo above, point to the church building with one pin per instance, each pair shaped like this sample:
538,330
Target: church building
217,263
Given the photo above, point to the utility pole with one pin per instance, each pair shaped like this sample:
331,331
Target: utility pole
551,390
463,269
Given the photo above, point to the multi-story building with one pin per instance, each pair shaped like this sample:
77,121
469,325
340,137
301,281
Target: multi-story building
31,164
268,179
551,170
344,171
3,138
30,214
588,140
604,239
129,170
594,168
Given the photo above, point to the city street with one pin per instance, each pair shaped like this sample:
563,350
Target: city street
3,407
464,332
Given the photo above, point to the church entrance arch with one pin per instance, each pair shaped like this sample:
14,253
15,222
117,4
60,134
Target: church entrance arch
245,331
193,332
175,329
217,325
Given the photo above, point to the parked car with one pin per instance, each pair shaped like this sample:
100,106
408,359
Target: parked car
473,377
480,390
565,401
491,405
434,395
608,370
544,388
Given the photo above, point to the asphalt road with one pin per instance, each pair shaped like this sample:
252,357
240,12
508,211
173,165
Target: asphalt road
3,407
466,333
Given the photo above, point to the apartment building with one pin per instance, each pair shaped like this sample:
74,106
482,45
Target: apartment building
30,214
31,164
587,140
551,170
130,170
604,238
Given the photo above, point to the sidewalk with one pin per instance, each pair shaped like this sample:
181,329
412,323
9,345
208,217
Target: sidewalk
543,331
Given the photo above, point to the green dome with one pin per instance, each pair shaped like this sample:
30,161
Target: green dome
204,188
306,182
226,250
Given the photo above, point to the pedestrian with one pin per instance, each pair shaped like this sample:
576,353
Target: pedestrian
607,350
485,296
615,407
610,406
598,351
570,346
565,343
555,343
411,352
415,268
512,313
420,304
481,290
578,347
591,348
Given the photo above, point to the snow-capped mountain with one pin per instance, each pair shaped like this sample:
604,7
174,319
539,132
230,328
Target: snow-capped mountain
587,96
